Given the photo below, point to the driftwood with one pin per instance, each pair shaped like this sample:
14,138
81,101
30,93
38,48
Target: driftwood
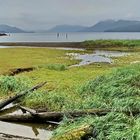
9,110
10,100
49,116
4,136
16,71
53,123
71,113
34,116
34,113
25,109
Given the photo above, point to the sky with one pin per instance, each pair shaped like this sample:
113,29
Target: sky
44,14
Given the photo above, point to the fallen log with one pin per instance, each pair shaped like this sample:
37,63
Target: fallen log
72,113
8,110
53,123
16,71
11,99
34,113
25,109
57,116
50,116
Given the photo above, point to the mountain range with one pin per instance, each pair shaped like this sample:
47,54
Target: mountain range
10,29
102,26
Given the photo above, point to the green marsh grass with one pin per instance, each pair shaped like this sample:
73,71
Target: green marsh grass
120,43
10,84
119,91
57,67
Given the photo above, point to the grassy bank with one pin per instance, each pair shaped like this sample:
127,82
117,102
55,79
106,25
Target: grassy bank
89,44
110,43
119,91
32,57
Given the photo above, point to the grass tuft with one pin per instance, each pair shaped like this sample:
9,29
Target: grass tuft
11,84
56,67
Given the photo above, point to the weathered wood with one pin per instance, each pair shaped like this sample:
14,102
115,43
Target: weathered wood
16,71
10,100
72,113
9,110
50,116
19,118
25,109
56,116
53,123
4,136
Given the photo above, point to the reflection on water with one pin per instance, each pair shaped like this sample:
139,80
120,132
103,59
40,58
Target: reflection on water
31,130
27,130
98,56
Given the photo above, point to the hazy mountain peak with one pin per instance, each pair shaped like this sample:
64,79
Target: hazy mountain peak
10,29
114,26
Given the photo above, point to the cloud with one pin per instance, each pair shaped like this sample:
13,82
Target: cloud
43,14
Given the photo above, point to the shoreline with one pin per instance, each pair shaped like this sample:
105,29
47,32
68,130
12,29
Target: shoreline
118,45
45,44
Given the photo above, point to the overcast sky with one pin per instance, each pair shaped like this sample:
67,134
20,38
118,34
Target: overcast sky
43,14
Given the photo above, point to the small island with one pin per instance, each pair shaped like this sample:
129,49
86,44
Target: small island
3,34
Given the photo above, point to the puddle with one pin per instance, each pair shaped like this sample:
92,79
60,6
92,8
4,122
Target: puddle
26,130
31,130
98,56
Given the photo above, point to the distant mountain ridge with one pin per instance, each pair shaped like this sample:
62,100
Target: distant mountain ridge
10,29
129,28
114,26
102,26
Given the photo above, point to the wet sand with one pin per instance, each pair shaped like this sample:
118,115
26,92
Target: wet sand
44,44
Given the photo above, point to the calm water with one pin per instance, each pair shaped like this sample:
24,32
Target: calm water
98,56
31,130
38,131
70,37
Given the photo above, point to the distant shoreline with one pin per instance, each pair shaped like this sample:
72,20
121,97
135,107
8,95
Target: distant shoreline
90,44
45,44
